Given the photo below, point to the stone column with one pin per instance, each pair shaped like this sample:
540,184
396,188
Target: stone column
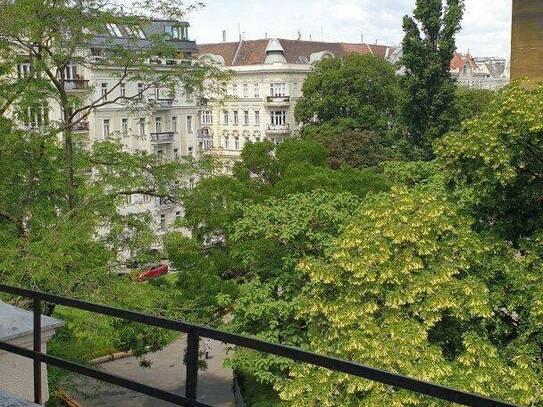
527,40
16,372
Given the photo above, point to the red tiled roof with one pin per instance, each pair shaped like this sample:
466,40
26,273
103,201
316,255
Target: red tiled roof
253,52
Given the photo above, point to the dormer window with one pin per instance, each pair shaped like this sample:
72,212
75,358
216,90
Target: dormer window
113,30
135,32
176,32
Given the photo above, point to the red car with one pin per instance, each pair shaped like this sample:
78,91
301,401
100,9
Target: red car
153,272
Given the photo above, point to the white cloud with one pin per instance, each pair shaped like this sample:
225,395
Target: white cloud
486,25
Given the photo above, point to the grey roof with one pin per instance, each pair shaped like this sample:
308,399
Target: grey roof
156,27
16,322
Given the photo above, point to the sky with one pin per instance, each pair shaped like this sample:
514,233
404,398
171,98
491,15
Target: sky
486,25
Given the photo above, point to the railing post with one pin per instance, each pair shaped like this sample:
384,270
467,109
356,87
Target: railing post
36,308
193,342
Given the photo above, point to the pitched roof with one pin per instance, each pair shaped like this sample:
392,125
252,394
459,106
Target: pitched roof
253,52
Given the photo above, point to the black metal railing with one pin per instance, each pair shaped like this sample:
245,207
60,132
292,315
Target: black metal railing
194,333
162,137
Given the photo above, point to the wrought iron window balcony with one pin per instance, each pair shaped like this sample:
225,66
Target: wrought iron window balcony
276,101
278,128
194,333
165,137
76,84
81,126
161,102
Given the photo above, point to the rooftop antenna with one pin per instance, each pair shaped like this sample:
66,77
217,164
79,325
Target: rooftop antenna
266,35
362,38
239,31
299,35
223,35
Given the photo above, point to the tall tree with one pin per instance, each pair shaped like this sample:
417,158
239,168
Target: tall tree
428,47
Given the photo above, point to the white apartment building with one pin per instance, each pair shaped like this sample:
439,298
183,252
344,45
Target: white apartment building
168,124
268,75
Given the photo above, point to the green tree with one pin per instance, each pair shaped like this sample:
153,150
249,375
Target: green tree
428,47
409,287
494,163
357,92
61,227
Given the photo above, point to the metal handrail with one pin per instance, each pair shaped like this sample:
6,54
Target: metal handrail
194,333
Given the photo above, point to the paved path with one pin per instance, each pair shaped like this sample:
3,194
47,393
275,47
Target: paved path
167,372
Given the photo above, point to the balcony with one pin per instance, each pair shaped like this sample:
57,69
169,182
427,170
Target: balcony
278,129
277,101
76,85
165,137
194,334
162,204
81,127
161,103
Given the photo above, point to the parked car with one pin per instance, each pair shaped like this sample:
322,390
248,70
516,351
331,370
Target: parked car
153,272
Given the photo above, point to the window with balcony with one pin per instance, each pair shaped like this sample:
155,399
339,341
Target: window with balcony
236,118
235,89
256,89
246,117
122,90
226,142
278,89
105,129
207,117
236,143
257,118
279,118
226,117
245,90
189,124
174,124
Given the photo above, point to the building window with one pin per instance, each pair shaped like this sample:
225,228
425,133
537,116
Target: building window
158,124
246,117
113,30
225,117
234,89
190,149
189,124
106,129
247,140
236,118
278,118
122,90
142,127
175,153
191,183
23,70
178,215
176,32
245,90
140,90
207,117
174,124
257,90
236,143
157,93
124,126
147,198
278,89
257,118
163,221
226,142
257,139
128,199
104,91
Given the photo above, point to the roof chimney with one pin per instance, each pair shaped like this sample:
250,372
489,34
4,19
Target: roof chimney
299,35
223,35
